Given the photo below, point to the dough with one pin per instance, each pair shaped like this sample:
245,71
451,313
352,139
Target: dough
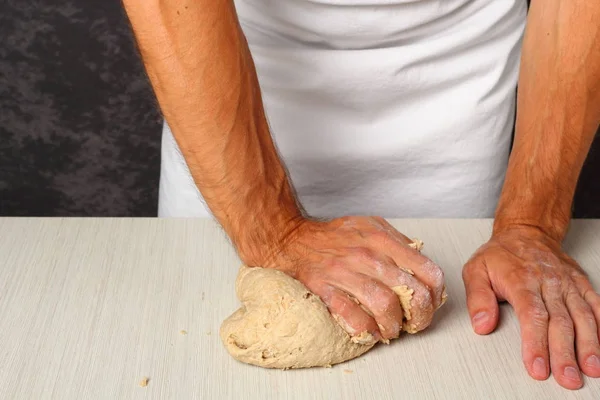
281,324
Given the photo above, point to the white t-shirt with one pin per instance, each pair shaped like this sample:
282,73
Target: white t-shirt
397,108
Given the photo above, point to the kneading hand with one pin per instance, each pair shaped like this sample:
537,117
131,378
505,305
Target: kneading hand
557,308
352,264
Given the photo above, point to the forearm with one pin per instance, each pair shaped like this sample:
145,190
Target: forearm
558,112
203,76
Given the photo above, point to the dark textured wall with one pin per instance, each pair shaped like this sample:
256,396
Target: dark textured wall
79,130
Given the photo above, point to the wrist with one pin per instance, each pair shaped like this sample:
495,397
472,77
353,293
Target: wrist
261,238
536,197
260,220
553,227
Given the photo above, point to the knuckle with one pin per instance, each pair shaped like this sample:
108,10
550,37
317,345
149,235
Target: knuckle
527,274
468,269
335,263
587,343
472,266
582,307
388,299
553,279
577,273
535,344
526,294
593,299
363,253
562,321
440,276
438,280
530,297
479,292
422,303
538,315
588,319
380,236
567,354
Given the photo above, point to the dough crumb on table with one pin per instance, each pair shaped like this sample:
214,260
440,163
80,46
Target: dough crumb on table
282,325
348,371
183,332
144,381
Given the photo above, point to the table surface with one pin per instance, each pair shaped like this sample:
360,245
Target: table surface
89,307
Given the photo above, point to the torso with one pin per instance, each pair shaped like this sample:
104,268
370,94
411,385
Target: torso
399,108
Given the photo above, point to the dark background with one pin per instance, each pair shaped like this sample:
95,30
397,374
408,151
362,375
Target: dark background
79,127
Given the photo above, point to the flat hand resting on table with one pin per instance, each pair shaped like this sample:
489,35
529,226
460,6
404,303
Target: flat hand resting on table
557,307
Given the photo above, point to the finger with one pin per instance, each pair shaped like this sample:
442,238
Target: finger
375,296
589,295
414,244
415,263
481,299
593,299
592,362
586,334
383,224
533,319
415,296
561,337
351,317
406,254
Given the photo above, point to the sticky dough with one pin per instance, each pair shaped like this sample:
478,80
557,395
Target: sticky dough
281,324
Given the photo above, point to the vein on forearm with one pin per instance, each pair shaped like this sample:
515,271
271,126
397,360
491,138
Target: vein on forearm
558,111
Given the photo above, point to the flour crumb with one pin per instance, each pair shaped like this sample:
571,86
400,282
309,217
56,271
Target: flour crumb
144,381
417,245
363,338
348,371
208,333
183,332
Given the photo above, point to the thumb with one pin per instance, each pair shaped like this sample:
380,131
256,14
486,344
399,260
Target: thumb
481,299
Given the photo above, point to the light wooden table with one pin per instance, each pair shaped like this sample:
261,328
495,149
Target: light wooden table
88,307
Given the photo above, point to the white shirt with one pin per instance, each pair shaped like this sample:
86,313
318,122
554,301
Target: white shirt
397,108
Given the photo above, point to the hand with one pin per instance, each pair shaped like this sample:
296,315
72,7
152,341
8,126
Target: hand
557,308
352,264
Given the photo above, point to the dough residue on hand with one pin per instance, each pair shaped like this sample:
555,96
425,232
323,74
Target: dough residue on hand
405,294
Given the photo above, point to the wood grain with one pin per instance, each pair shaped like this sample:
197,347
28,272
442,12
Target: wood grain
90,307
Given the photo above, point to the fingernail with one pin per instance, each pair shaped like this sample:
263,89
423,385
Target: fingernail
539,367
572,373
479,319
593,361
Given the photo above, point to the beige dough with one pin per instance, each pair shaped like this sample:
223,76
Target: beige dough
281,324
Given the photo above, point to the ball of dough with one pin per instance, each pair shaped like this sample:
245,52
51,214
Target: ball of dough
281,324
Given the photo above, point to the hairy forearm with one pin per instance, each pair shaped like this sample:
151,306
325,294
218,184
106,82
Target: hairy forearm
198,62
558,112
